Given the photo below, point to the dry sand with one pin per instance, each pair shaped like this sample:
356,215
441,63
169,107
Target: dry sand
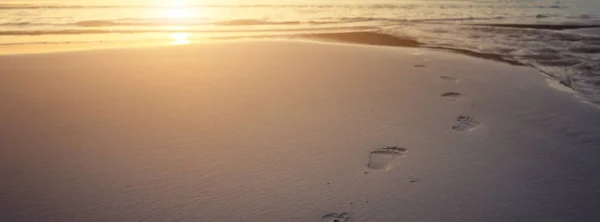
290,131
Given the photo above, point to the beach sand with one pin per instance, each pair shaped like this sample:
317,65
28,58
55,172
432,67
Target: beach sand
291,131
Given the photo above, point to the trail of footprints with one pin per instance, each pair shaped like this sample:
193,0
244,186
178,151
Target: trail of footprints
463,123
382,159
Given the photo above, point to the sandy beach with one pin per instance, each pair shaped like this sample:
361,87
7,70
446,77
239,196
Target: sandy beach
280,130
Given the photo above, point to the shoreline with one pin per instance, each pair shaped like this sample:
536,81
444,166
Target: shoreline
354,37
357,37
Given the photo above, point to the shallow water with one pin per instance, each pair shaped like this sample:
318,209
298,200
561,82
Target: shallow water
559,37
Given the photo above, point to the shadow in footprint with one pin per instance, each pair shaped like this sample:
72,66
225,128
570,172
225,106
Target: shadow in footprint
465,123
381,159
449,78
335,217
419,66
452,96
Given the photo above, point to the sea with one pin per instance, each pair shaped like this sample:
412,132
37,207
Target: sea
561,38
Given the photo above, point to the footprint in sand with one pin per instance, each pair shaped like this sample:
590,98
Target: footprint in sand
452,96
449,78
465,123
336,217
419,66
381,159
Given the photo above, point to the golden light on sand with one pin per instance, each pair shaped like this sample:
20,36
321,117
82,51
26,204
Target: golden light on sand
180,38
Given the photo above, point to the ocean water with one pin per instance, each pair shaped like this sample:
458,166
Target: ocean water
559,37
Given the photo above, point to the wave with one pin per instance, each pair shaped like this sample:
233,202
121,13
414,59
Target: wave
235,22
55,42
25,6
458,19
542,26
367,38
570,57
263,22
17,23
383,39
195,22
299,6
138,22
168,22
74,32
31,6
356,37
488,56
142,31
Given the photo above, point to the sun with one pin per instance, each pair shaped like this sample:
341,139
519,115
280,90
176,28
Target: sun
178,10
178,3
178,13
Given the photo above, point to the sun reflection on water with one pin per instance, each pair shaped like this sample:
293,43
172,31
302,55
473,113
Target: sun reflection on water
179,13
180,38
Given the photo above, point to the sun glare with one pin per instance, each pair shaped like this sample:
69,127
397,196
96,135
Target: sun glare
178,3
180,38
178,10
179,13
